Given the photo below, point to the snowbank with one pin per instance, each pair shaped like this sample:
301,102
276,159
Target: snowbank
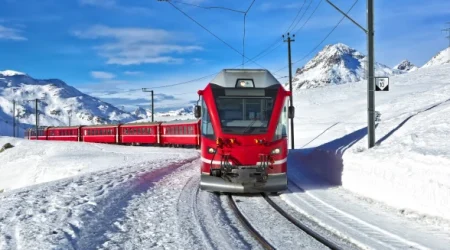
33,162
409,168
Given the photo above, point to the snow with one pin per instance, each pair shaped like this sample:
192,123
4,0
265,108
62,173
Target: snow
336,64
9,72
83,211
409,168
441,58
34,162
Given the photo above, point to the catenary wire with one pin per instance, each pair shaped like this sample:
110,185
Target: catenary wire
320,43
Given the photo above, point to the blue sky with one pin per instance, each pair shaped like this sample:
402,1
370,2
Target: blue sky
107,47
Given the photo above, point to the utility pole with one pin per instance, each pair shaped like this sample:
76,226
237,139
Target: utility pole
370,68
371,76
70,116
37,118
448,36
14,118
289,40
147,90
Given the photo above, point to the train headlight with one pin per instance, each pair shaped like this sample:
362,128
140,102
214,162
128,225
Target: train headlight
276,151
211,150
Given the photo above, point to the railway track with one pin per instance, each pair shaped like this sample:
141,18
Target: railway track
264,242
258,237
302,226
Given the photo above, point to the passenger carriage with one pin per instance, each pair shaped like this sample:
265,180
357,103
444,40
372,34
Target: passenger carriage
64,133
180,133
100,133
139,133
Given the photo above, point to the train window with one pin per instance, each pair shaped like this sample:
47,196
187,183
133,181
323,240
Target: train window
207,128
125,131
185,130
244,115
281,130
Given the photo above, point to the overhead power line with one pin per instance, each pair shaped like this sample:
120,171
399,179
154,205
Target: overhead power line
312,13
323,40
243,37
260,55
206,29
206,7
298,13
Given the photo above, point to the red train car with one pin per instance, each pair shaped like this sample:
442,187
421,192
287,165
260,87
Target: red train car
180,133
139,133
64,133
244,118
42,133
100,133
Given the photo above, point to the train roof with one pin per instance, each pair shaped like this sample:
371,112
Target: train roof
64,127
139,124
190,121
262,78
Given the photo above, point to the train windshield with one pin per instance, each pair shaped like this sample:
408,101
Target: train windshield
244,115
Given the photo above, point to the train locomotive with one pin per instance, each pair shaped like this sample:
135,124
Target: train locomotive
244,126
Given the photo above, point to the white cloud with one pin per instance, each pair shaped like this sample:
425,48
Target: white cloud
11,34
278,6
130,46
100,3
132,73
102,75
112,4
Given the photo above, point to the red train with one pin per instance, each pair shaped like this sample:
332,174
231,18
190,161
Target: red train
244,116
176,133
242,132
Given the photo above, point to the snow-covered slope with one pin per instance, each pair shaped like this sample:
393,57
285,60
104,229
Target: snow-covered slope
440,58
409,168
57,102
336,64
405,66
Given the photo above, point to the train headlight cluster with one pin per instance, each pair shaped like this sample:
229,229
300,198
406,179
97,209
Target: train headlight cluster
276,151
211,150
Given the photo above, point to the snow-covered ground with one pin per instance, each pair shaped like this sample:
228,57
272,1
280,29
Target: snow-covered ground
409,168
31,162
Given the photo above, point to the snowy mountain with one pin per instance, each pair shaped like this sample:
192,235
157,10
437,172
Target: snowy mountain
336,64
178,112
405,66
170,115
142,113
440,58
57,102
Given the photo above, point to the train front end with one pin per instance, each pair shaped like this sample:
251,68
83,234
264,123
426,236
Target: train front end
244,132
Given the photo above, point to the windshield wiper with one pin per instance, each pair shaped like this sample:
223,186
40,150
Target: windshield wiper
249,126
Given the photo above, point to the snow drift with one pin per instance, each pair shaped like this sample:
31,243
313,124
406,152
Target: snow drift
410,166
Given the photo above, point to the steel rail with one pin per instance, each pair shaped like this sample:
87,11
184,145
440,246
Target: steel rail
302,226
258,237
